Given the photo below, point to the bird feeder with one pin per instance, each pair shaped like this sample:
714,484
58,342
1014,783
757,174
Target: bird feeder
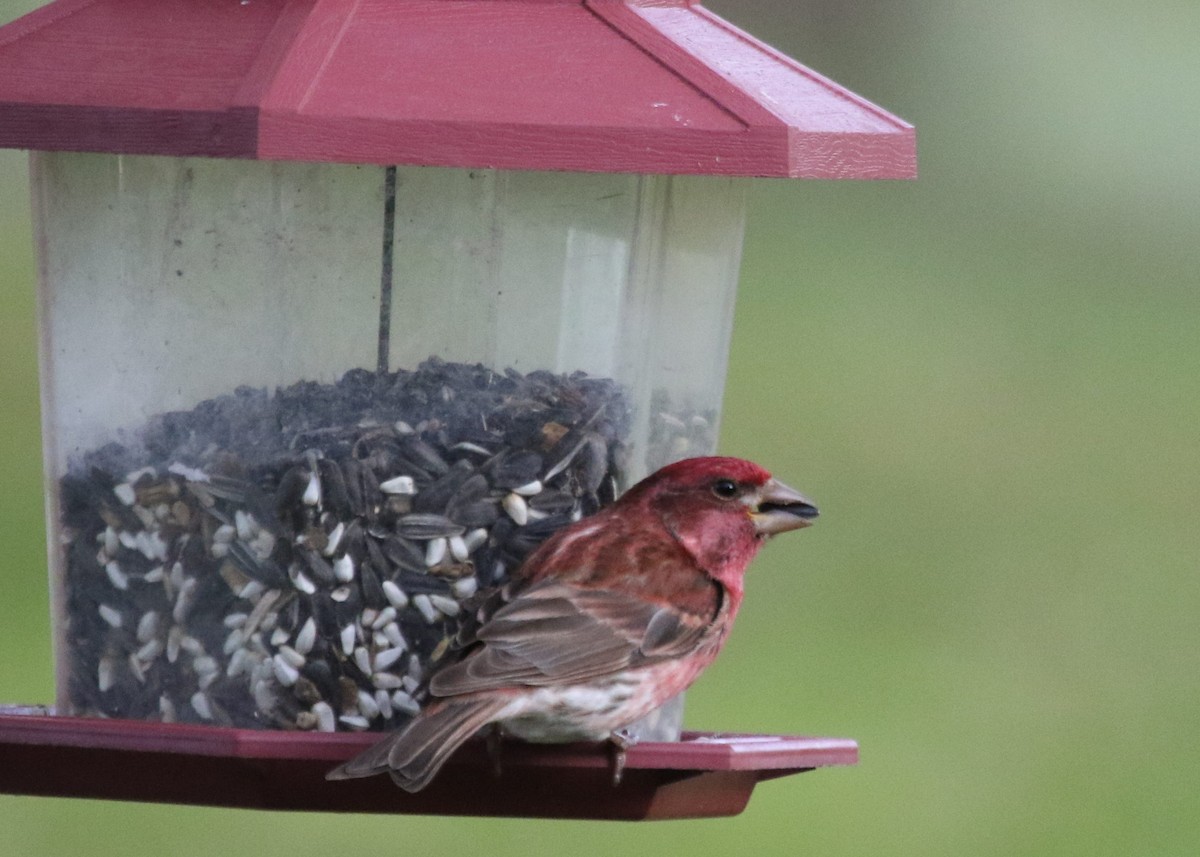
345,306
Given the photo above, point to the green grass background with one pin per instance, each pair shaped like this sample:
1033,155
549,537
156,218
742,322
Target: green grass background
989,379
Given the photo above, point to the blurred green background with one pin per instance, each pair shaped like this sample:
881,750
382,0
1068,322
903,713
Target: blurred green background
988,378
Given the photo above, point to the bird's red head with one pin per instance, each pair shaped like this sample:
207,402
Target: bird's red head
720,510
697,520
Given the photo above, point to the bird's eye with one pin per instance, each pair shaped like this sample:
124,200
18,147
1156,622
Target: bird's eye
726,489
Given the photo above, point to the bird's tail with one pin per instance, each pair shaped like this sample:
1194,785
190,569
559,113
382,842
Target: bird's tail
414,755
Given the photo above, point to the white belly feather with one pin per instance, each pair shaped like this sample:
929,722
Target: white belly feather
593,711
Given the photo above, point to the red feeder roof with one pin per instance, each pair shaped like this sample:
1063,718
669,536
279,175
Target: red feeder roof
647,86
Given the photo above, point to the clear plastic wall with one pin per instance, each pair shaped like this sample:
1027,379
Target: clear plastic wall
296,415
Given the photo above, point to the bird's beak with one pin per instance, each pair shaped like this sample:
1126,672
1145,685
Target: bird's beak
780,508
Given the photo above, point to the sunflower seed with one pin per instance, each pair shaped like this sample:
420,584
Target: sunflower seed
464,587
147,626
264,697
300,581
395,595
383,617
386,659
355,721
116,575
519,468
424,455
515,506
261,608
383,701
394,636
423,526
312,491
326,722
149,650
367,705
398,485
480,513
402,702
386,681
348,637
458,548
447,606
333,483
435,551
110,615
174,637
343,568
529,489
426,608
320,570
292,656
471,449
244,525
307,636
183,601
334,539
201,705
238,663
474,539
285,673
106,673
399,552
111,541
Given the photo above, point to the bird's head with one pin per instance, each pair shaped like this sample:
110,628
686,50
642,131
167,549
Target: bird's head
721,510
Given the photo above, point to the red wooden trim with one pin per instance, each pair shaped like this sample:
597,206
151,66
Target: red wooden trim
275,51
129,130
314,42
703,775
593,85
823,140
622,17
832,155
296,136
831,85
30,23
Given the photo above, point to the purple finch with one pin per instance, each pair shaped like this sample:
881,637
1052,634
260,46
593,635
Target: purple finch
607,620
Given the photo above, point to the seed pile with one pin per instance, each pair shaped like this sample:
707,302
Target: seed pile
294,560
677,433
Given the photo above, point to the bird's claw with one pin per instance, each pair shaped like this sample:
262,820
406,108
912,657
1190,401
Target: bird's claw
619,742
494,740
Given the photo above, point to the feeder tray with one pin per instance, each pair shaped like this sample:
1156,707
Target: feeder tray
702,775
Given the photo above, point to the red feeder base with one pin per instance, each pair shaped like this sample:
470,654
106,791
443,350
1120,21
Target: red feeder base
703,775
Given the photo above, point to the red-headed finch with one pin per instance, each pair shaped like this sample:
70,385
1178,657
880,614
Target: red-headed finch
605,621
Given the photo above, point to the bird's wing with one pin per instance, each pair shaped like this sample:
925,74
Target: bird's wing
554,633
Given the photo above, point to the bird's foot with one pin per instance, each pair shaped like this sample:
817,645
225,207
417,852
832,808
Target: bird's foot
494,741
619,742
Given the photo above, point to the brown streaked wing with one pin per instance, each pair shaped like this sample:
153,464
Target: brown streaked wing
554,633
